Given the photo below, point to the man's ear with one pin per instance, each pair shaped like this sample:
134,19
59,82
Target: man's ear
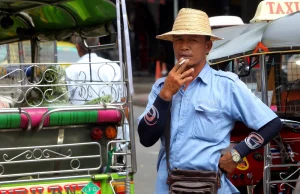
77,46
78,49
208,46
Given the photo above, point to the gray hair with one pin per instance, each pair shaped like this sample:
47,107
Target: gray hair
89,41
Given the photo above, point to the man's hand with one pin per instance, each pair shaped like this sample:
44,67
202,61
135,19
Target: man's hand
226,163
177,77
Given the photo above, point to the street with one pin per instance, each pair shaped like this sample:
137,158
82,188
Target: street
146,162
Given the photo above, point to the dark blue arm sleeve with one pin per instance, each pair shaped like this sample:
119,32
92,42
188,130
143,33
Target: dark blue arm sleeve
152,126
259,138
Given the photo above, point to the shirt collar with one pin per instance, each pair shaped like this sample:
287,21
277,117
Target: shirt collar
205,74
86,56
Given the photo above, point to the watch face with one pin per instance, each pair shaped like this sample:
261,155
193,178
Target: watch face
236,158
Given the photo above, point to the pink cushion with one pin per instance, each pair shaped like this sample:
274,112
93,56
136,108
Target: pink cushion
111,116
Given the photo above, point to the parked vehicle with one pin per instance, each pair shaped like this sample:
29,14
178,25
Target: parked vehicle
48,145
265,55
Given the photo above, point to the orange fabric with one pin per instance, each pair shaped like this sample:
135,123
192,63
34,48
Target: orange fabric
261,46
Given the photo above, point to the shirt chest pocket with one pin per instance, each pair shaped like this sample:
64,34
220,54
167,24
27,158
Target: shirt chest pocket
206,122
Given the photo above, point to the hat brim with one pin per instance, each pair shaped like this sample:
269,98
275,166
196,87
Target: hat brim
169,35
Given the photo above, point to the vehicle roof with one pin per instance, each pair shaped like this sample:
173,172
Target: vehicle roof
278,36
54,19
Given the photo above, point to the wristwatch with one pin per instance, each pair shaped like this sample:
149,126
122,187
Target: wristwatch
236,157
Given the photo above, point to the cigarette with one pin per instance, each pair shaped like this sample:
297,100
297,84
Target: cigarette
182,62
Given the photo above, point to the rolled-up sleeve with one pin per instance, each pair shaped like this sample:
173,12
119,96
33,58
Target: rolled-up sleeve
249,109
152,97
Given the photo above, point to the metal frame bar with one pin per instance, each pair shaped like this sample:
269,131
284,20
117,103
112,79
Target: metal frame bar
264,92
55,52
91,84
267,182
115,154
18,111
48,113
130,88
17,64
127,48
43,157
61,109
120,40
99,47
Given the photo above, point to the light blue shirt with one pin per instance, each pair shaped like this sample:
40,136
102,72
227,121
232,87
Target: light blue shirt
202,118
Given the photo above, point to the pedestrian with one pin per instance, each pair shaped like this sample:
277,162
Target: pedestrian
198,107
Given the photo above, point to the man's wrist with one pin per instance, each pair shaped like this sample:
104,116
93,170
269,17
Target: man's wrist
166,96
236,157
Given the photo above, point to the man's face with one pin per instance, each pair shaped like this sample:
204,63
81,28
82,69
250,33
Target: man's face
192,47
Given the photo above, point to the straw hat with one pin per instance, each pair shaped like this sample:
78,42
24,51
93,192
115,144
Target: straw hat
190,22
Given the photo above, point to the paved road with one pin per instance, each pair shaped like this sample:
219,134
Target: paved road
146,162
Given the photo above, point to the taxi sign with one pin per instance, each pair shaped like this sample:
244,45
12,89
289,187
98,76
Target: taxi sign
224,21
269,10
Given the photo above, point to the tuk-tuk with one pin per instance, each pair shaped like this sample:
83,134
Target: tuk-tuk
266,57
47,143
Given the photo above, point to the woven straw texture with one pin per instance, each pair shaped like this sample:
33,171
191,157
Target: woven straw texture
190,22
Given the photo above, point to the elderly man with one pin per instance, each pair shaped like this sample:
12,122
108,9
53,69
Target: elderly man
91,69
202,105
